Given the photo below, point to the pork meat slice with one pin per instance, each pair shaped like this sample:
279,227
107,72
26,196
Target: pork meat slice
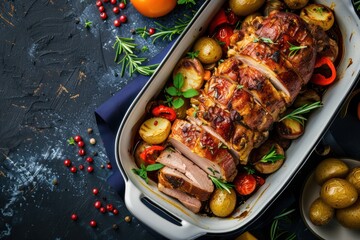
203,149
196,178
191,203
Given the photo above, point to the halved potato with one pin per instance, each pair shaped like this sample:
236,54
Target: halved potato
269,166
318,14
192,71
289,128
155,130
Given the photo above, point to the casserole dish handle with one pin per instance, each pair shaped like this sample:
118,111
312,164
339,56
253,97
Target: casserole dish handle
133,201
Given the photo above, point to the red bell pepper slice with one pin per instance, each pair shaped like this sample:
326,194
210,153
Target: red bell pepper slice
324,72
220,18
147,154
164,112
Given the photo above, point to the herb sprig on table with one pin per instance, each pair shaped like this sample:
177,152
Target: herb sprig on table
124,55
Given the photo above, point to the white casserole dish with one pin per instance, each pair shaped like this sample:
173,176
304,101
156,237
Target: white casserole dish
184,223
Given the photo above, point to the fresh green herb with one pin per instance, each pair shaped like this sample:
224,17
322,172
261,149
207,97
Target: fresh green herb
214,172
175,93
239,86
249,170
275,230
143,32
192,55
358,5
294,49
167,33
272,156
125,47
144,49
263,39
221,184
320,10
71,141
297,113
88,24
142,172
124,1
186,2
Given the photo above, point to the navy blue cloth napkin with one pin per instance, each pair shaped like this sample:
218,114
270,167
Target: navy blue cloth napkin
110,114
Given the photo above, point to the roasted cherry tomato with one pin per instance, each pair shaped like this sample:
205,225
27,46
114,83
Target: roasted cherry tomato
164,112
150,154
223,17
223,34
154,8
245,184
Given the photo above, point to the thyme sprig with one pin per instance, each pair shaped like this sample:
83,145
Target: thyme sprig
272,156
297,114
142,171
221,184
263,39
124,48
294,49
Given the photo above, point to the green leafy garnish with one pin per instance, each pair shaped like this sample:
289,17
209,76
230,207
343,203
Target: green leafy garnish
71,141
143,32
88,24
263,39
294,49
125,47
221,184
357,3
272,156
276,232
320,10
192,55
142,172
144,49
249,170
186,2
297,113
175,93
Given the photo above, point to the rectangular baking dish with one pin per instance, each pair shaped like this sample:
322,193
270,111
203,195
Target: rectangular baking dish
182,223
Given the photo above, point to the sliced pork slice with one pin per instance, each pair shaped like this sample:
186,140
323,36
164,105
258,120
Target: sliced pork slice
191,203
203,149
172,178
196,176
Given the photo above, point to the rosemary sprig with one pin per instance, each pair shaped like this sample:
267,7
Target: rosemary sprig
272,156
125,47
358,5
221,184
142,171
263,39
167,33
294,49
297,113
275,232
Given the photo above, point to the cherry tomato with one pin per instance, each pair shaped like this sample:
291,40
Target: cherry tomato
154,8
245,184
223,17
223,35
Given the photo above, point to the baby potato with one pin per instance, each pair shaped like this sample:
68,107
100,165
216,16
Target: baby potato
192,71
354,178
320,213
338,193
290,128
349,217
209,50
155,130
330,168
245,7
296,4
318,14
222,203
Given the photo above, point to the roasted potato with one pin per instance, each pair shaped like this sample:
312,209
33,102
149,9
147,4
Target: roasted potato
155,130
296,4
222,203
209,50
290,128
330,168
354,178
192,71
320,213
273,5
265,166
245,7
318,14
349,217
338,193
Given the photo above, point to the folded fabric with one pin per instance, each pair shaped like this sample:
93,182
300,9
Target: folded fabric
110,114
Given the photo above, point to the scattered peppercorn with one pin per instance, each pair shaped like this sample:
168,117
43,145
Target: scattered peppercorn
127,219
73,169
95,153
102,166
90,169
92,141
97,204
93,223
115,226
95,191
55,181
67,162
74,217
90,130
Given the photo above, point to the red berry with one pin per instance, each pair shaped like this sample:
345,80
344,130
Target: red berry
113,2
109,207
123,19
95,191
81,167
102,210
99,3
116,10
101,9
115,211
117,23
73,169
109,166
97,204
122,5
67,162
80,144
77,138
89,159
103,15
106,0
81,152
93,223
90,169
74,217
152,31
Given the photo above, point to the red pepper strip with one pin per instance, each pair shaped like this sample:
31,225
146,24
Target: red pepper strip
219,19
324,72
164,112
146,154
